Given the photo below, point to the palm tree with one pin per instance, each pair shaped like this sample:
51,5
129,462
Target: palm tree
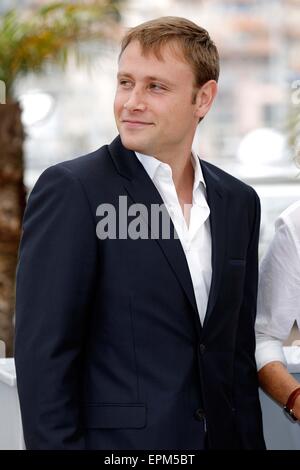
27,42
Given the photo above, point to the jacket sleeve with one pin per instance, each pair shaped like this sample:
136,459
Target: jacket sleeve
248,413
55,286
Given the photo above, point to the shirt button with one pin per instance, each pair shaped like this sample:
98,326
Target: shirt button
199,414
202,348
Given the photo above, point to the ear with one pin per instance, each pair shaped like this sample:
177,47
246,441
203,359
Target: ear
205,97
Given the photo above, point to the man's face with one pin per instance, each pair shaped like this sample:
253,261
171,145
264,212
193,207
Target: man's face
153,107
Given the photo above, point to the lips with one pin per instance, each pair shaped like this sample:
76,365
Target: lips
131,124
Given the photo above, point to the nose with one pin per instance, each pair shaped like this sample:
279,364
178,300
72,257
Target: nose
135,101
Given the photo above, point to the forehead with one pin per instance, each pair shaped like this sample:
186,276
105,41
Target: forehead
167,57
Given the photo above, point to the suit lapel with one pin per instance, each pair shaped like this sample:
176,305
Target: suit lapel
141,189
217,201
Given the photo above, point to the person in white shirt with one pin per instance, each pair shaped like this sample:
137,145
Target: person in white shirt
277,310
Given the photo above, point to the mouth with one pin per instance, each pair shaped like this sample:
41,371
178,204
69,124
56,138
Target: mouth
136,124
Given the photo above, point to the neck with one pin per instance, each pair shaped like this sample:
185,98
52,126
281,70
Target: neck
180,163
183,174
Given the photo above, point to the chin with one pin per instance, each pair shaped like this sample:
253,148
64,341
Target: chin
132,143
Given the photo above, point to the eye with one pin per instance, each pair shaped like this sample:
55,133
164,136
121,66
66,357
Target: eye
157,87
125,83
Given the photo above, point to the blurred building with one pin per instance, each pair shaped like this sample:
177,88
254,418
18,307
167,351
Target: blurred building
260,51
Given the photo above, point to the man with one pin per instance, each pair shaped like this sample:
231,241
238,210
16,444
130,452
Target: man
142,342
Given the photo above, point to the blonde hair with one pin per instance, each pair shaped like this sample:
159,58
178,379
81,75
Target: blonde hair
196,45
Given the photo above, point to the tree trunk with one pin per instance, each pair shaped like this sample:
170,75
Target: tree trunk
12,204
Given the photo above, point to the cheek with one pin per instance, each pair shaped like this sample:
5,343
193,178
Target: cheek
182,112
118,104
175,115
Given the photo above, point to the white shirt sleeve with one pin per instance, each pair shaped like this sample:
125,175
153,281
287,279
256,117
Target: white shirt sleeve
278,302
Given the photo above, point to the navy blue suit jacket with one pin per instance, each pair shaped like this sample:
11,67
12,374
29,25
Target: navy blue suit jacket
109,350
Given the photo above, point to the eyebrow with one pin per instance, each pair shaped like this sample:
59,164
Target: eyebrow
148,78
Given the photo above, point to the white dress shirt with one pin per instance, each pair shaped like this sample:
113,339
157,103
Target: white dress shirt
195,238
279,288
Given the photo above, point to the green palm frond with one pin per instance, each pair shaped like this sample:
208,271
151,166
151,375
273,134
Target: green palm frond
29,40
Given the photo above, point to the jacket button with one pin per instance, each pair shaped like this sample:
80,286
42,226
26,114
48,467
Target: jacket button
202,348
199,414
